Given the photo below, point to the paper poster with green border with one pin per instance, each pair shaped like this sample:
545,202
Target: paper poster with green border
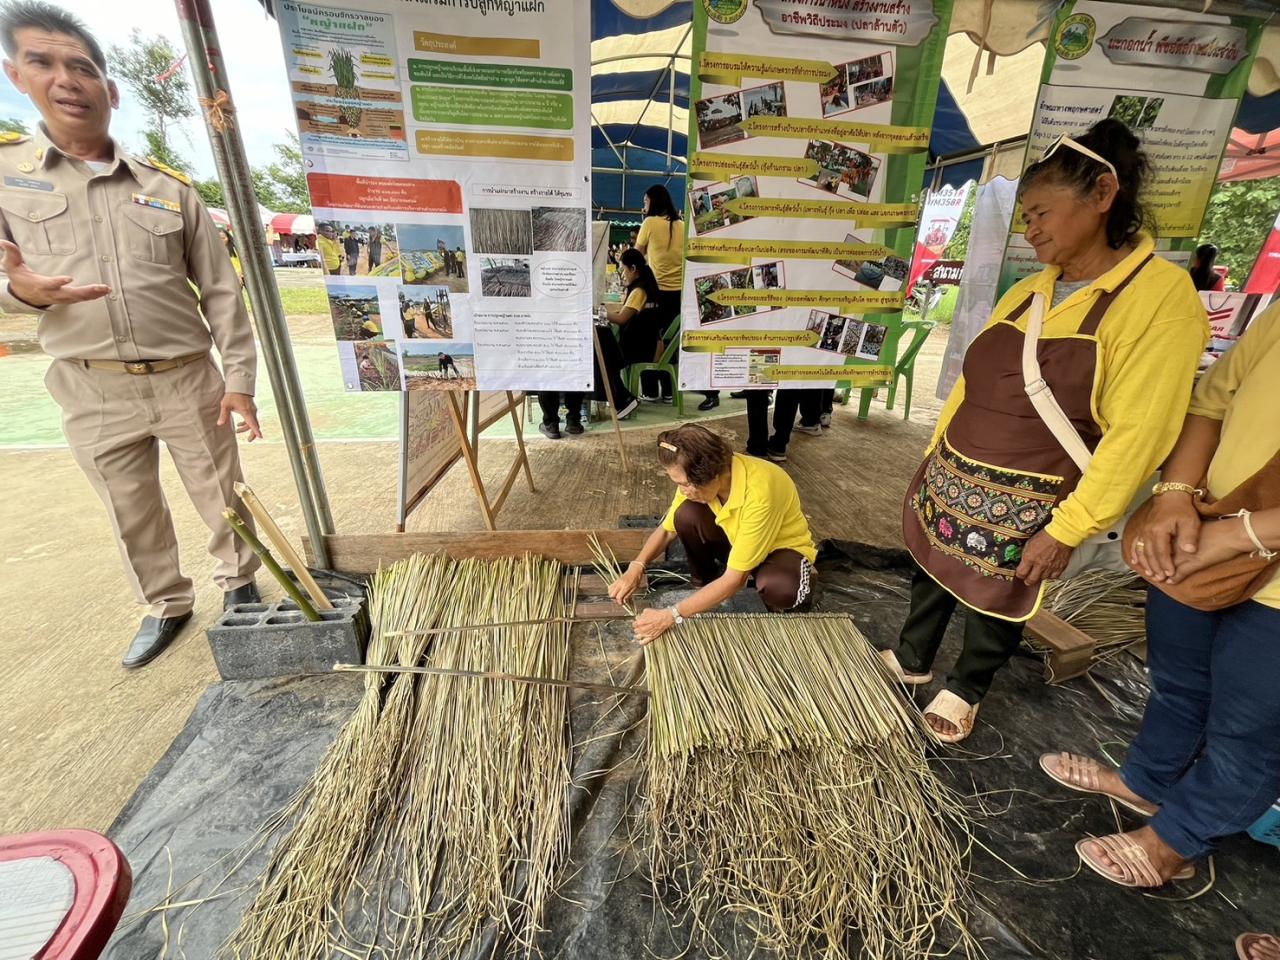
1174,76
809,128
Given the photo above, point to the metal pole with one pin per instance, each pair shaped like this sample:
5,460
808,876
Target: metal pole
205,55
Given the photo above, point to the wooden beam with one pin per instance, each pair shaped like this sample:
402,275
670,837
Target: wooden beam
1070,648
362,553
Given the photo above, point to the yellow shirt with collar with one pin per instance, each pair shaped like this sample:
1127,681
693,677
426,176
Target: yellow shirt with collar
330,252
1240,391
663,243
761,515
1150,342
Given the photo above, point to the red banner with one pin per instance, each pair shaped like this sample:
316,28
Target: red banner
384,193
938,221
1265,277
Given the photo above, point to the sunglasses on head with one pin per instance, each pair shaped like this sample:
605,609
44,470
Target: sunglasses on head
1079,147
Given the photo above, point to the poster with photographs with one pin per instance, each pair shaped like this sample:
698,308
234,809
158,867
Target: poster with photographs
448,159
1173,76
808,143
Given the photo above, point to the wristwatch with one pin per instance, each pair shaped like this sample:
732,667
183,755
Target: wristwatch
1172,487
675,615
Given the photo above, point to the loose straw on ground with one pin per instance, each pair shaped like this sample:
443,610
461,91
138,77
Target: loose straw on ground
788,785
1109,606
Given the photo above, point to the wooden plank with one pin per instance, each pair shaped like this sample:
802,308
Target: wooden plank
363,552
469,456
594,585
600,609
1070,648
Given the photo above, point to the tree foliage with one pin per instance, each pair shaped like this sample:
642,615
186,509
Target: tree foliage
282,185
14,125
211,193
164,94
958,246
1238,221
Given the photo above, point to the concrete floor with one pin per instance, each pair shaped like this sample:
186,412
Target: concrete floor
78,733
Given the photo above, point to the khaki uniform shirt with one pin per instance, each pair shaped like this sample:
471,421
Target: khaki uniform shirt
142,231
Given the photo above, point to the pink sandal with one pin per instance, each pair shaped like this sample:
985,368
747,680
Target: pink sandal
1136,868
1081,774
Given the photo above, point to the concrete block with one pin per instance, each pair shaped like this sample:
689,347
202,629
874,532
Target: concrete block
256,640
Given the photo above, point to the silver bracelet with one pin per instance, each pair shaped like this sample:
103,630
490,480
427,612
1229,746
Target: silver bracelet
1262,551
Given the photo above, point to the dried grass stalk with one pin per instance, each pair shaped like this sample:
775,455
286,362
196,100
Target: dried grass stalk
438,818
788,785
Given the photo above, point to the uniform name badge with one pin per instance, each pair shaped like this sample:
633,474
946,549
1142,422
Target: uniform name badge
158,202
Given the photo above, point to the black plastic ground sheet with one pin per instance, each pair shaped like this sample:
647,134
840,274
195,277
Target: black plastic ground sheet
249,746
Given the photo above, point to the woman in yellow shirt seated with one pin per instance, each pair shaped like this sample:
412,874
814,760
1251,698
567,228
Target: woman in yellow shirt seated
1003,498
738,517
1206,761
638,324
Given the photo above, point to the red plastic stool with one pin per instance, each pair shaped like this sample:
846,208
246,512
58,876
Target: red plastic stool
61,894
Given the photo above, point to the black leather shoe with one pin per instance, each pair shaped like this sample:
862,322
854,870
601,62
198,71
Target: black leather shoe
709,404
573,427
245,593
154,634
549,430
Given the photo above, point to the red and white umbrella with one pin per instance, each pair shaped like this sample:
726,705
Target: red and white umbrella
220,217
1250,156
295,223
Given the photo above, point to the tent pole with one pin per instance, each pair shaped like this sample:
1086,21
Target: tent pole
205,56
671,109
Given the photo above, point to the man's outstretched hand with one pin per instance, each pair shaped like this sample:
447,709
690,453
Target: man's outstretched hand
40,291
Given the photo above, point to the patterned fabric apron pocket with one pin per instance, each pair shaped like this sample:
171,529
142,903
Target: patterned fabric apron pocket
982,515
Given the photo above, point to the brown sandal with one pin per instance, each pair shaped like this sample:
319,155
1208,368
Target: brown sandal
1136,867
957,712
895,667
1247,940
1081,774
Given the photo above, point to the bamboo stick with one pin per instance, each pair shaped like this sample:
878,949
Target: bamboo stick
282,544
268,561
490,675
435,631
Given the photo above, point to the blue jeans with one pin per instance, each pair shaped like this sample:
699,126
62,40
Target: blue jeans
1208,750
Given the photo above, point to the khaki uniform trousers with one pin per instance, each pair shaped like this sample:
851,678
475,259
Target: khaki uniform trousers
114,423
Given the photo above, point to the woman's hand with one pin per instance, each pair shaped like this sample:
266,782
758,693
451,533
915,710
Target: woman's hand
1219,540
651,624
1043,558
622,589
1167,530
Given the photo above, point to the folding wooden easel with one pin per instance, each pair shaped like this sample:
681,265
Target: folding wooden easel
458,402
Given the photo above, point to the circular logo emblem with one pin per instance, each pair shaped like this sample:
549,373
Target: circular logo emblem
725,11
1075,36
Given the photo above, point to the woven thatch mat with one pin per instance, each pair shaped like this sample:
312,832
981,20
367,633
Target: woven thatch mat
249,745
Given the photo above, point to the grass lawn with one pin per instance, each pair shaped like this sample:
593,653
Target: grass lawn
302,300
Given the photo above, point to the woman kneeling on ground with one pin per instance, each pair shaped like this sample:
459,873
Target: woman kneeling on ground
1003,500
1206,761
738,518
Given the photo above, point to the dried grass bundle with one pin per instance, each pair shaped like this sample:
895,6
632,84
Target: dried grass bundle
1109,606
788,784
439,817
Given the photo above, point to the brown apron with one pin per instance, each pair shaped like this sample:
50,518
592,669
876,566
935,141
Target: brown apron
998,471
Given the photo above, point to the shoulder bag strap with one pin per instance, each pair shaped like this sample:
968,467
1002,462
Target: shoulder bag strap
1041,397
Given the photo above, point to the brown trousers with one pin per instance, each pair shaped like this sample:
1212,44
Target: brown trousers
115,423
783,580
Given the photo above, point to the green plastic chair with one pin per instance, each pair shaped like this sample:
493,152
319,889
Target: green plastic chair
665,365
903,369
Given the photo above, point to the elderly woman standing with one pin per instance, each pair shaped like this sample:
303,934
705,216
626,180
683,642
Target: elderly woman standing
738,518
1000,504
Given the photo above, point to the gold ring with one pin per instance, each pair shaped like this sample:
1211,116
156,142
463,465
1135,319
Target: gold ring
1139,544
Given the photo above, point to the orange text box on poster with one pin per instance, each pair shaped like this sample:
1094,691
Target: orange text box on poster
384,193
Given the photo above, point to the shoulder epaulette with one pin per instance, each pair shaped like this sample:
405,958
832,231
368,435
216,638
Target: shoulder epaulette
178,175
12,136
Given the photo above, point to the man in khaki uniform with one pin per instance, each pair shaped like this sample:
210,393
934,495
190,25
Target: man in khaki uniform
120,259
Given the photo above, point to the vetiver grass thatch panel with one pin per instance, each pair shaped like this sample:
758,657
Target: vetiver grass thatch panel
788,784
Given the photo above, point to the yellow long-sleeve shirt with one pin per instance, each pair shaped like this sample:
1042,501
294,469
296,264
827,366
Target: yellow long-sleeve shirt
1150,344
1240,390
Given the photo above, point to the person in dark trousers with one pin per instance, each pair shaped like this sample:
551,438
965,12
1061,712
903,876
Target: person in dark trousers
809,404
460,262
446,364
639,318
758,402
661,241
549,401
351,247
375,248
